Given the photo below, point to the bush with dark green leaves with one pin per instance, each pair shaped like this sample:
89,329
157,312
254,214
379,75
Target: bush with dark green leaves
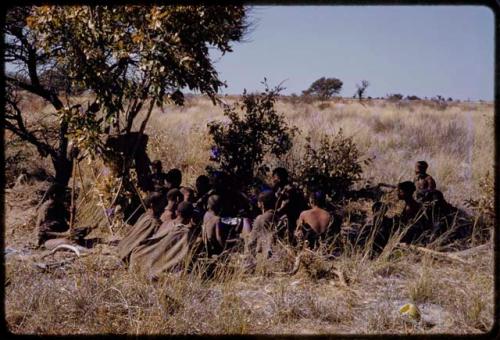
239,146
333,166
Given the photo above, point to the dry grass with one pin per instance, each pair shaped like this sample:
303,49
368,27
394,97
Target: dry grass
96,294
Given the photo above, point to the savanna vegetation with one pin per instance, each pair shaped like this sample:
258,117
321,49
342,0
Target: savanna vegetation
123,77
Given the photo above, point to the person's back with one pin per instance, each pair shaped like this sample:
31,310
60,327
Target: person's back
317,218
314,224
145,226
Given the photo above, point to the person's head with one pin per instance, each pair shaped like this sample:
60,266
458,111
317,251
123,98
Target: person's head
184,210
214,204
174,196
219,181
174,178
266,200
406,190
156,202
202,185
421,167
188,194
280,177
156,165
317,198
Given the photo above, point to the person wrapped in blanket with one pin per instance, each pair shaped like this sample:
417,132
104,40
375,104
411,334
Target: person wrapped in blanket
226,216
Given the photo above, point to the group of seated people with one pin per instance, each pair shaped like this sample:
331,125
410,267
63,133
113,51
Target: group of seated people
219,215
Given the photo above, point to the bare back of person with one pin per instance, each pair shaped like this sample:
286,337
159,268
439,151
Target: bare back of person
317,219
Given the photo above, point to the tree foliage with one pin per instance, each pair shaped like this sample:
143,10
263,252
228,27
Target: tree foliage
239,146
128,57
324,88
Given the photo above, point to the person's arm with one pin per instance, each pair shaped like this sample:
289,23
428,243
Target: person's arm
298,231
219,235
431,183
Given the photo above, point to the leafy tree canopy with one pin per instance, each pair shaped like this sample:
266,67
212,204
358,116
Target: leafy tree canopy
324,88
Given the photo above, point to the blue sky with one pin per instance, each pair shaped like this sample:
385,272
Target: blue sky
421,50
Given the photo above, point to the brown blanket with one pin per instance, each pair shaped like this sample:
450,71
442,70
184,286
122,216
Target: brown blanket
145,226
162,252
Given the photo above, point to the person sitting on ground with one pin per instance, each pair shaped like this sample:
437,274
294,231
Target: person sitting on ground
412,217
202,186
211,219
167,249
441,213
424,182
174,179
316,223
290,203
219,232
382,226
260,238
146,225
188,194
174,197
52,216
157,179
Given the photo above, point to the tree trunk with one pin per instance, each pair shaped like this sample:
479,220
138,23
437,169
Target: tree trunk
62,167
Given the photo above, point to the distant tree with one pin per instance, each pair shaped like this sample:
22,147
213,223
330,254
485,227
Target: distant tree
412,97
450,99
361,89
324,88
394,97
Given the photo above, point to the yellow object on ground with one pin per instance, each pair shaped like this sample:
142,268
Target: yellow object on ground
410,310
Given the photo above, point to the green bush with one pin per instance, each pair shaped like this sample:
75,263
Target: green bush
333,166
240,145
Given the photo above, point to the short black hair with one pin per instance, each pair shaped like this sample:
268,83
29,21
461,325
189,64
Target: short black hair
268,199
407,187
185,210
156,163
174,176
282,173
214,203
187,190
202,184
174,194
318,198
154,199
422,164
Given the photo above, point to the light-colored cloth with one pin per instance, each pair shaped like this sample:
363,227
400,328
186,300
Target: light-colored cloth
164,251
145,227
261,237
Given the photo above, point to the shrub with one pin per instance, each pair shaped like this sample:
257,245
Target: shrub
394,97
240,145
412,97
333,166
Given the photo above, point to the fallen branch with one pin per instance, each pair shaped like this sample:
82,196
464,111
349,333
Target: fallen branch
449,256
